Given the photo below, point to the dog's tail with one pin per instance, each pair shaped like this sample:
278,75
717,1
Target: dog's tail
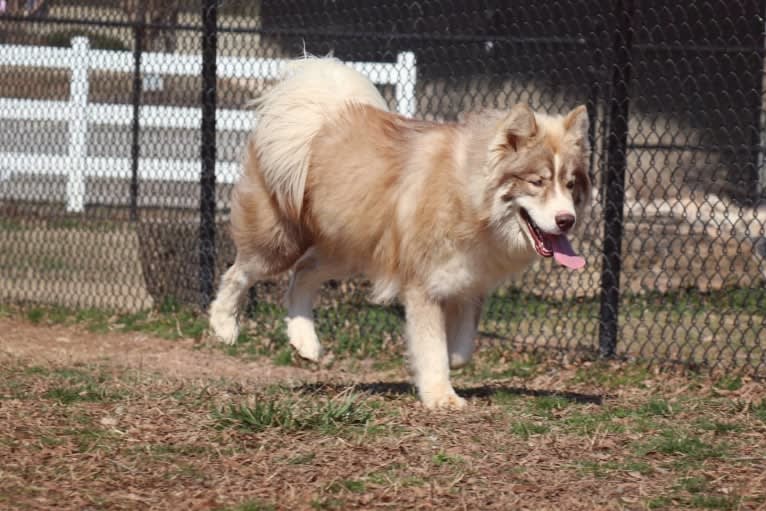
291,113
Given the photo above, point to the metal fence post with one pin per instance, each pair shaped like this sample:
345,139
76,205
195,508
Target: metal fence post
207,152
615,177
135,149
78,126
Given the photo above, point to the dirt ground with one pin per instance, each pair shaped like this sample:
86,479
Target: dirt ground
131,421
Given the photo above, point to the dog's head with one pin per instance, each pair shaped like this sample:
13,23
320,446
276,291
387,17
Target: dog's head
539,180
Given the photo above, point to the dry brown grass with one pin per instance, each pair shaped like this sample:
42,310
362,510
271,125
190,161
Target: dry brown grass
113,421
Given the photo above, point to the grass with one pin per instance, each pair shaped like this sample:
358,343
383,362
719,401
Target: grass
598,374
441,458
169,321
689,448
72,384
67,395
759,410
362,330
267,446
717,426
351,485
729,383
525,429
715,501
694,492
329,417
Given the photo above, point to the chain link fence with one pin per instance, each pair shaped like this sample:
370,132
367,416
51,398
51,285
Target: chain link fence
123,123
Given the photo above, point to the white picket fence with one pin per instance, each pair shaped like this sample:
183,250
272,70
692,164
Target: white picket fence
79,113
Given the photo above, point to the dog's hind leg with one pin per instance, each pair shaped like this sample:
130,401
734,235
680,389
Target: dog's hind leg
462,317
224,310
267,245
310,272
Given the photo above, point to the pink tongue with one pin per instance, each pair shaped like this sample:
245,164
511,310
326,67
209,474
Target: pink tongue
564,254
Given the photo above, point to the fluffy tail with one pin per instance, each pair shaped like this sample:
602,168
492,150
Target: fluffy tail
291,113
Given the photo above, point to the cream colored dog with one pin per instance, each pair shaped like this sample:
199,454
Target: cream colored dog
437,215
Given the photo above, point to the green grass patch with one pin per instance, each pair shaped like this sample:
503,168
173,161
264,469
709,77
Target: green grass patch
759,410
69,385
499,363
656,407
693,484
549,406
36,371
587,423
605,375
350,485
619,419
68,395
715,501
283,357
332,416
441,458
718,427
681,444
90,439
169,321
729,383
659,502
526,429
507,398
694,492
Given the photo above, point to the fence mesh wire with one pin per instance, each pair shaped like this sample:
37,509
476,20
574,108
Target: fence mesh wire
100,208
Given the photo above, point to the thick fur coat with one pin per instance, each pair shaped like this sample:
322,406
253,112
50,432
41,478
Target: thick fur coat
434,214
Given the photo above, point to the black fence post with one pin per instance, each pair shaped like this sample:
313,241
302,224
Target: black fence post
207,152
139,29
755,97
615,177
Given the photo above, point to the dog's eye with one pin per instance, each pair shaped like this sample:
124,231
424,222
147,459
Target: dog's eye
570,185
536,182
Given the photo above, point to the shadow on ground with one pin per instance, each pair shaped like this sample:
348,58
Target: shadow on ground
484,391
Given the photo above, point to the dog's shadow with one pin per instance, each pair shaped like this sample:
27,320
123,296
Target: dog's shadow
395,389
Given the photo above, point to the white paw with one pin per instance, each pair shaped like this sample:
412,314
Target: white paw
224,327
303,338
442,398
458,360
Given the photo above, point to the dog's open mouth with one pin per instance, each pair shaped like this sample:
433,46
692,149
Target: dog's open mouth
553,245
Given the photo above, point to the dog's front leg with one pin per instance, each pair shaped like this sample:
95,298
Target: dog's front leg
427,340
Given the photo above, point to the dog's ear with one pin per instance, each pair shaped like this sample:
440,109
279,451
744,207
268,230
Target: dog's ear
518,126
576,125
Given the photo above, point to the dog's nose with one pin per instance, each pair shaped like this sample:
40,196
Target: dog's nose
565,221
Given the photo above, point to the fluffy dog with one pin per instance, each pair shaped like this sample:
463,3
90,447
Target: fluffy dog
434,214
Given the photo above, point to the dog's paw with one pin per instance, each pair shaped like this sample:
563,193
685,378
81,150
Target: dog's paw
224,327
448,400
459,360
303,338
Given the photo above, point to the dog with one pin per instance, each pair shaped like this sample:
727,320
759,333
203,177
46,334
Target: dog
436,215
